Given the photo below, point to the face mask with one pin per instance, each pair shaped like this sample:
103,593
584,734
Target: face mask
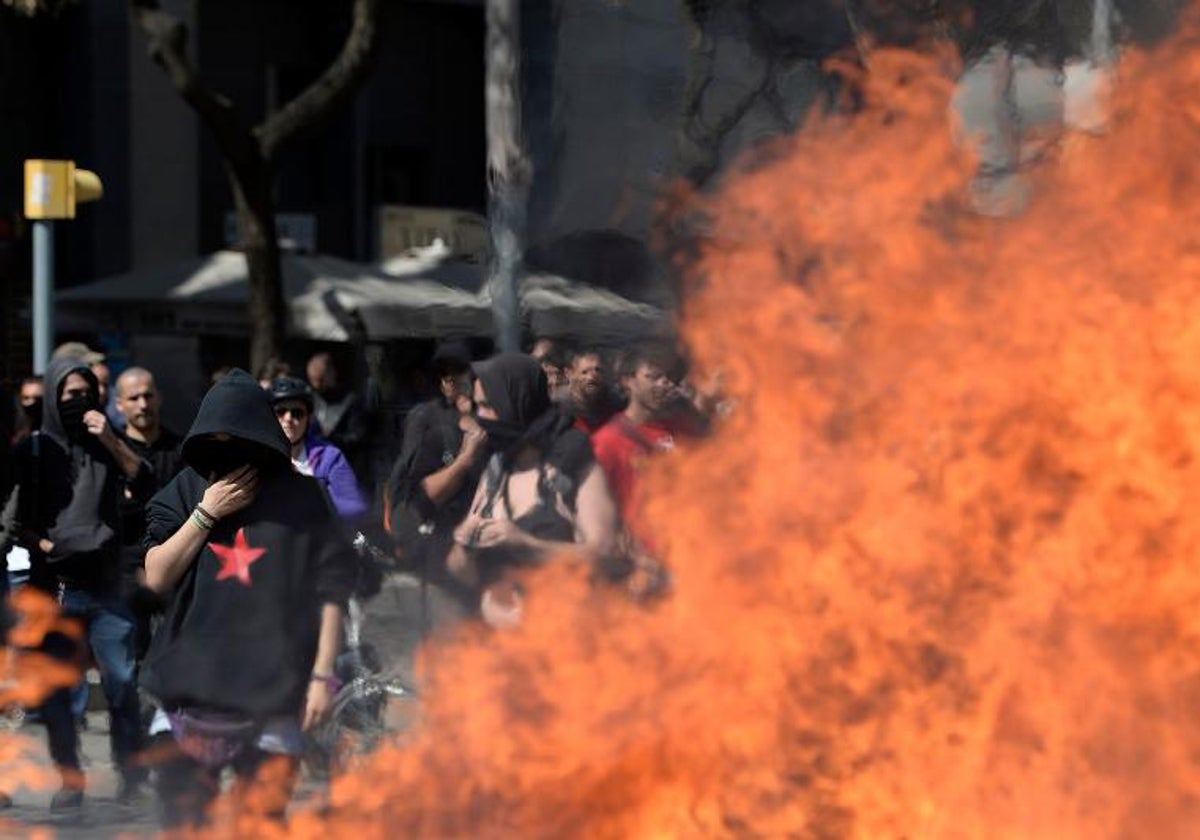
33,413
218,459
234,455
71,413
501,436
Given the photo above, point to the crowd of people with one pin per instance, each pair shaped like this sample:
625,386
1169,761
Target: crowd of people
210,572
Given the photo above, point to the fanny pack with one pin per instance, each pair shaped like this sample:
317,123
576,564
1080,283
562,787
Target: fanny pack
211,738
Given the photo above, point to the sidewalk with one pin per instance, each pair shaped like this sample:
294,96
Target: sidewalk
101,816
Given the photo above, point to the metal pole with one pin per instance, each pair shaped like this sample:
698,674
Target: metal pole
43,293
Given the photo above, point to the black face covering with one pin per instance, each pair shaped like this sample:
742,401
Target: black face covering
501,436
71,412
221,457
516,387
33,413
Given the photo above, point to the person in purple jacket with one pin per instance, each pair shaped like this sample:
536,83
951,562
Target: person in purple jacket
312,454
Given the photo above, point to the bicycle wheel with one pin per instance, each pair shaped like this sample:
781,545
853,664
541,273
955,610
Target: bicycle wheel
366,712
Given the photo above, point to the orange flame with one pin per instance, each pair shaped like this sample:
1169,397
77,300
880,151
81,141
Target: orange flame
29,677
935,576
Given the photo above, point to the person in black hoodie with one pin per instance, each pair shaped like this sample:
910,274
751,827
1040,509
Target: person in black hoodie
258,572
69,480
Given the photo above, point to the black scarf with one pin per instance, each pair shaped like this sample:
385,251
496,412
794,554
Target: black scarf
516,387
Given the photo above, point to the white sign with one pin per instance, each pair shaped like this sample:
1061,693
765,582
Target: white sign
402,229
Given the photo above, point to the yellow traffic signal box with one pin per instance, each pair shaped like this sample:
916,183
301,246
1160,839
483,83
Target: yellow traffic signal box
54,187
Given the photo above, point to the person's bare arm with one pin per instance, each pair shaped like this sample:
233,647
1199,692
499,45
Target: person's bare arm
98,425
444,485
461,560
320,693
167,562
597,522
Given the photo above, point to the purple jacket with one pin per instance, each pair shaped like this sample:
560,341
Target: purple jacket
331,468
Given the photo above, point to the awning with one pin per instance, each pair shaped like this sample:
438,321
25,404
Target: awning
425,294
325,296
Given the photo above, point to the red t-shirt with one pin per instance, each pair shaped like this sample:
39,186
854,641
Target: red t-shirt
621,447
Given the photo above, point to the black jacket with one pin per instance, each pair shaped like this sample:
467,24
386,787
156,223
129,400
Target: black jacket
241,632
69,490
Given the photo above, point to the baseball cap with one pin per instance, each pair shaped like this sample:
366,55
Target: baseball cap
452,354
77,350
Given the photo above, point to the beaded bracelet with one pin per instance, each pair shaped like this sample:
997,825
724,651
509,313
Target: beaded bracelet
202,520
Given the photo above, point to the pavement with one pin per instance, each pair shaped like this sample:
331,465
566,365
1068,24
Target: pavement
101,816
393,624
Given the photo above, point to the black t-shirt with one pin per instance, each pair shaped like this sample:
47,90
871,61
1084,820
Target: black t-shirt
432,440
166,460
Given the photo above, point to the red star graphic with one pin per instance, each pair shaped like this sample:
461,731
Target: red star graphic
236,559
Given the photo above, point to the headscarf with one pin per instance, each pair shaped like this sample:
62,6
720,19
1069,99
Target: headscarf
516,387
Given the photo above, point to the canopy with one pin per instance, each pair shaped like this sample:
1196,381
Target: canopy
329,298
551,305
423,294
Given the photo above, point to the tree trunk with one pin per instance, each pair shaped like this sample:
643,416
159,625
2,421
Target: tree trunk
259,242
249,153
508,170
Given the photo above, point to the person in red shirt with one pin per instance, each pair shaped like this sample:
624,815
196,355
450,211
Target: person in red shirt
648,426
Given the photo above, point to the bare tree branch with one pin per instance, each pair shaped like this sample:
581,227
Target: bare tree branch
166,38
337,83
249,153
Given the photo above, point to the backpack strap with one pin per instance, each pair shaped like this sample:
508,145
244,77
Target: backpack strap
493,482
561,486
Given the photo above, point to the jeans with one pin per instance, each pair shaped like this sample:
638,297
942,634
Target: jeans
110,629
80,694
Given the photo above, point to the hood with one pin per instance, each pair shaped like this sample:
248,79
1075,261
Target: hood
516,387
56,376
236,406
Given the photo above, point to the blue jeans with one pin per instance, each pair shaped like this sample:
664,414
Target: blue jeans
79,694
110,627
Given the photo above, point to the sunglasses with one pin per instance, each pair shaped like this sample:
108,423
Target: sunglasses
297,413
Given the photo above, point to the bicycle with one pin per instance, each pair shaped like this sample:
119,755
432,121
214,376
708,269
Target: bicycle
370,706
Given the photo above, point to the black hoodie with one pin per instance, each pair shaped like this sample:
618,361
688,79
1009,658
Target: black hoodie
69,488
240,635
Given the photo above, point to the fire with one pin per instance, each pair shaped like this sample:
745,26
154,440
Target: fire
28,677
936,576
